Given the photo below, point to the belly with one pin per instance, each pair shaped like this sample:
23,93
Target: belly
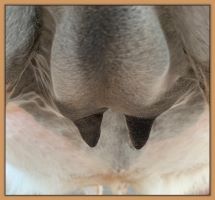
45,153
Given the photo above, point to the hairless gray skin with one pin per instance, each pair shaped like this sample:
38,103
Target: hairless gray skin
82,61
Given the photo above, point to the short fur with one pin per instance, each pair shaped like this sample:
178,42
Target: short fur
70,62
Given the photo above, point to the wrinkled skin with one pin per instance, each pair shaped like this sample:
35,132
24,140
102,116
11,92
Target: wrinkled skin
87,86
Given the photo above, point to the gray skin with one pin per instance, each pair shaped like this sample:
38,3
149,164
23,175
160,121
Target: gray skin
84,60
